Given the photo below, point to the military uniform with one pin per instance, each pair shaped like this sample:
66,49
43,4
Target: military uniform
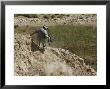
42,37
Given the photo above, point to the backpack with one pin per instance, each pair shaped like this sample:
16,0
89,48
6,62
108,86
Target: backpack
42,33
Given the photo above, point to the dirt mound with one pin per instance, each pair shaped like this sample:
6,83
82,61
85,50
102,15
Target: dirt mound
30,61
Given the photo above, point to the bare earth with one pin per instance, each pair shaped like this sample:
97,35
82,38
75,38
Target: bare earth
30,61
72,19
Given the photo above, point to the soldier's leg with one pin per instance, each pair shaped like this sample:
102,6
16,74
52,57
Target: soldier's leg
39,42
45,43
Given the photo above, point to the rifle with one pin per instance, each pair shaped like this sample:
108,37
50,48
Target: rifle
49,40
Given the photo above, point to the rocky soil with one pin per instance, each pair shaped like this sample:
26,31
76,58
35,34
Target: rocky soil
56,19
29,60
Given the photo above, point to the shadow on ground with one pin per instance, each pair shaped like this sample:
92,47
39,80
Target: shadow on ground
35,47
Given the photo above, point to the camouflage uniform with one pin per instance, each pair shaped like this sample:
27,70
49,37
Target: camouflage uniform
42,36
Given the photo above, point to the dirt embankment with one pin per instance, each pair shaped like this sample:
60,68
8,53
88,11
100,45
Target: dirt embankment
30,61
56,19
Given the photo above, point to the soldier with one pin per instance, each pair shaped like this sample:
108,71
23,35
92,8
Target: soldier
42,36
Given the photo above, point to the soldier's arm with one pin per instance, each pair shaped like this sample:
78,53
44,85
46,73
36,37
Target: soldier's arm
33,33
46,34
